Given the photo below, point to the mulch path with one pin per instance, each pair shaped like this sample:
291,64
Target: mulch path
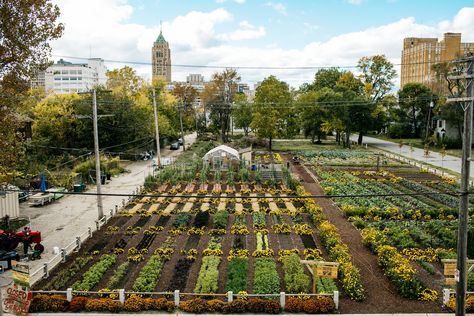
381,295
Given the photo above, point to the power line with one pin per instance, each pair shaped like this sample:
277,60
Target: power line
197,196
238,67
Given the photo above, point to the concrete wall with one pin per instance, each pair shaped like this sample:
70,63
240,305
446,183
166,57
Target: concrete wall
9,205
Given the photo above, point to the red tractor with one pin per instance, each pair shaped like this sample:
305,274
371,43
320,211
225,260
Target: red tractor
9,242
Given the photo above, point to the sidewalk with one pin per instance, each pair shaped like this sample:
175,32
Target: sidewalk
448,162
62,221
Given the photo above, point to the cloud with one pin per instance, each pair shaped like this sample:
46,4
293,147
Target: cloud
195,39
279,7
245,31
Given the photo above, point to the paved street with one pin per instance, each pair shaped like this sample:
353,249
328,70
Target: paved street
63,220
449,162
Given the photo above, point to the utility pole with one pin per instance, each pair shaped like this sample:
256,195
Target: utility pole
157,131
98,178
468,101
181,123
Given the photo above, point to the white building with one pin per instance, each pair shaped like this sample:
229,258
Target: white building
195,79
66,77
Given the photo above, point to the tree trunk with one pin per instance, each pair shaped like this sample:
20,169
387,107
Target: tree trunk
270,143
348,139
338,137
415,129
312,137
359,140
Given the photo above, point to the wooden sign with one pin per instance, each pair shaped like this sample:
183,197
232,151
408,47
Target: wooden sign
321,269
17,301
21,273
450,270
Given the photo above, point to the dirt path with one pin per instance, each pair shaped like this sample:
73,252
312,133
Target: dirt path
381,295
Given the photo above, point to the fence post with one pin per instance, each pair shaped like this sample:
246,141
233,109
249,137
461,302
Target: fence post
336,299
230,296
122,295
123,202
282,300
63,254
116,209
446,295
97,225
45,270
78,243
111,213
89,231
69,294
176,297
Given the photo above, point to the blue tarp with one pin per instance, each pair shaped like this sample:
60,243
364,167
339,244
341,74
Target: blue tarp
42,187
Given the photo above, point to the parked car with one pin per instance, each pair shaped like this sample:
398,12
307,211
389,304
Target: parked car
180,141
174,146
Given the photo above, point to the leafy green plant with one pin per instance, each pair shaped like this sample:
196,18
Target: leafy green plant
118,275
92,276
208,277
220,219
296,280
60,280
266,279
148,276
237,275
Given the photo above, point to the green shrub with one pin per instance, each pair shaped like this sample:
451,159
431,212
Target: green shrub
237,275
266,279
118,275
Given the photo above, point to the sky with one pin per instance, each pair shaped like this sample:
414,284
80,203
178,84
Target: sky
251,33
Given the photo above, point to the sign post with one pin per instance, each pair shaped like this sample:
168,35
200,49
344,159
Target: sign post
321,269
18,295
450,271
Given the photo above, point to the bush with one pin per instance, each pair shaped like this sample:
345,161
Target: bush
294,305
77,304
258,306
235,307
319,305
103,305
215,306
399,130
162,304
48,303
194,306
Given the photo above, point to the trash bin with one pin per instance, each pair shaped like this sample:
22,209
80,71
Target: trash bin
253,168
77,188
102,179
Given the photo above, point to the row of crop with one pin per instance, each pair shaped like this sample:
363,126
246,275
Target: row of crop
208,277
93,276
57,303
397,267
349,275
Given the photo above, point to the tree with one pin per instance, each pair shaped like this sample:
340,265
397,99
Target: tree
414,99
377,74
26,28
125,80
326,78
242,113
186,94
272,105
219,96
313,114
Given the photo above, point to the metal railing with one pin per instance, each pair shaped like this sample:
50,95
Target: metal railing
42,271
177,295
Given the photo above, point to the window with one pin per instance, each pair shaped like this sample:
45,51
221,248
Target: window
56,72
73,72
79,72
64,72
440,123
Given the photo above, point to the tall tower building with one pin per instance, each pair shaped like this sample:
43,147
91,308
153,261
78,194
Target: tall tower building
420,54
161,59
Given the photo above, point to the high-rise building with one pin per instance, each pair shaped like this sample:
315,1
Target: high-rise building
420,54
195,79
161,59
66,77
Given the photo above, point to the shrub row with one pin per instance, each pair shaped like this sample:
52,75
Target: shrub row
253,306
310,306
59,282
58,303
